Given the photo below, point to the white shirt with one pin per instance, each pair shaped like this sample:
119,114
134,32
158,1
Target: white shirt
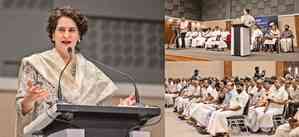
257,33
212,91
194,34
184,26
278,95
239,100
247,20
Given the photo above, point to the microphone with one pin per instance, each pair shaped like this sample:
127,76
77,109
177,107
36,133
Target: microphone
126,75
59,94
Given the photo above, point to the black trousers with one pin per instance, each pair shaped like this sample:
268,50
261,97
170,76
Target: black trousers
183,34
177,45
292,109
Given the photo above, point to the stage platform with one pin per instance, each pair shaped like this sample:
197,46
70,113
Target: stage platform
203,54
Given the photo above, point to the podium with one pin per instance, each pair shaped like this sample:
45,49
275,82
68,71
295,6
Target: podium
94,121
240,43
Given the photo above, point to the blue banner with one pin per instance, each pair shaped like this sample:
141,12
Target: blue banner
264,21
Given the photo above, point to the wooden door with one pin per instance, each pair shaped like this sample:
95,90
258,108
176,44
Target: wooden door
167,31
297,30
280,68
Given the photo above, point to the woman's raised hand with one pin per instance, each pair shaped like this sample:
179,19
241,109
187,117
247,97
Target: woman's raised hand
34,93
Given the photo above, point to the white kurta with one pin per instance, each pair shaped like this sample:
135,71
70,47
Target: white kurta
188,39
248,20
179,102
201,113
218,121
263,120
195,36
189,106
257,33
273,39
169,99
200,40
286,44
211,41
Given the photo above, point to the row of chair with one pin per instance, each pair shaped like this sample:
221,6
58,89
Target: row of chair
239,121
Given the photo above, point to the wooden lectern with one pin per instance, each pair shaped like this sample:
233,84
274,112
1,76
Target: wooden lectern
240,43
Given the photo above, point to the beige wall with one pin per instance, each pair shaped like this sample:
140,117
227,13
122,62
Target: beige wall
212,24
8,113
185,69
246,68
290,20
215,68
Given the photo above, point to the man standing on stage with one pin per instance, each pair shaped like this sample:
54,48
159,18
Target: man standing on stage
183,31
247,19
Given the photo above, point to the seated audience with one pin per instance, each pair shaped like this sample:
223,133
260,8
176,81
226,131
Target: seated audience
286,39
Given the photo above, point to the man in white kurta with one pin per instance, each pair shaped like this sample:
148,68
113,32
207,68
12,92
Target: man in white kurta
182,98
203,111
188,39
256,39
276,100
286,39
247,19
195,35
194,97
218,121
183,30
205,34
187,95
256,92
211,41
171,93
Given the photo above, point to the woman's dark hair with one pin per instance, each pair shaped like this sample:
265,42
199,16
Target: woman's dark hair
67,11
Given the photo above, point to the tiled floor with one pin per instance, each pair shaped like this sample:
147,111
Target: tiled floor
199,53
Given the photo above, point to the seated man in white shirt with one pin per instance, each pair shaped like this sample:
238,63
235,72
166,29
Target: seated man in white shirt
200,39
188,39
210,43
195,34
201,110
286,39
218,120
193,96
170,94
271,38
256,93
256,39
274,99
177,104
220,44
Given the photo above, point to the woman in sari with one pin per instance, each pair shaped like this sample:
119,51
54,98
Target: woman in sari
82,82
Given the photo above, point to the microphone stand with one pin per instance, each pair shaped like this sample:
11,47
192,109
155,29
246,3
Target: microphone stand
59,94
129,77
